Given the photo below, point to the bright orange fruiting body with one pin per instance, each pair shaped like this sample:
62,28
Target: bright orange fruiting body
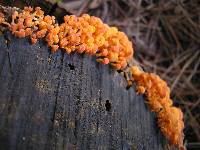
170,119
171,124
84,34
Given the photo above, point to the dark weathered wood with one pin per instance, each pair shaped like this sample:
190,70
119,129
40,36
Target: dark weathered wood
58,102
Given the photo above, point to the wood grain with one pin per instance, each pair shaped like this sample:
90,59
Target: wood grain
55,101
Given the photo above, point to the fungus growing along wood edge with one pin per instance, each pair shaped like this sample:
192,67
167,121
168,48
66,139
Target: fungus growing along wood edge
89,35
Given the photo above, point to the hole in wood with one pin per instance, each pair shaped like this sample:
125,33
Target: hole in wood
108,105
71,67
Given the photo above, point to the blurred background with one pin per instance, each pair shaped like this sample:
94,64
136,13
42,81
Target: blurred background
166,35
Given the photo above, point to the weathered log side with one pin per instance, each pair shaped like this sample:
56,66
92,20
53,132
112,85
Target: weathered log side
58,101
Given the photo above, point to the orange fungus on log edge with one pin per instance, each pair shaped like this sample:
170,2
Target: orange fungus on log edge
170,118
84,34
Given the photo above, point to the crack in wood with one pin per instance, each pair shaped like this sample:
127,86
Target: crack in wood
7,41
2,63
57,91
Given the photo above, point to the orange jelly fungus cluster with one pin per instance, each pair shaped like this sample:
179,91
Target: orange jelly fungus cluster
170,118
85,34
88,34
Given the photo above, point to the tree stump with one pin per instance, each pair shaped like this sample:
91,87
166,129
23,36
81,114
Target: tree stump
56,101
